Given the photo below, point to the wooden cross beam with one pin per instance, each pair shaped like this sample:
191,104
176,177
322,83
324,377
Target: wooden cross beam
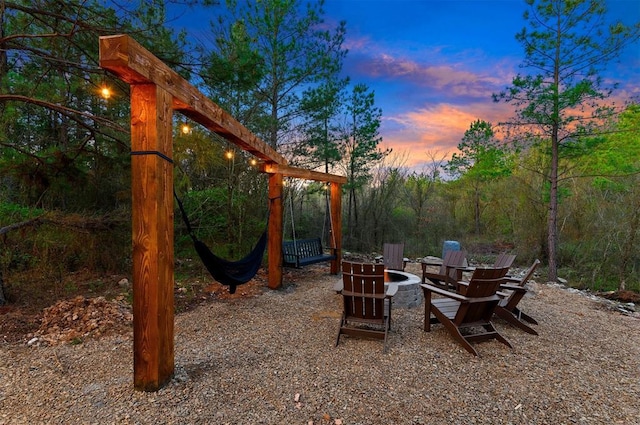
134,64
301,173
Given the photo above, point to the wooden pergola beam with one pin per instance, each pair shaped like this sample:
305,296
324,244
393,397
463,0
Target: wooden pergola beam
301,173
134,64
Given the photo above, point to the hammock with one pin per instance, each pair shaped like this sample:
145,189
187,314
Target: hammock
230,273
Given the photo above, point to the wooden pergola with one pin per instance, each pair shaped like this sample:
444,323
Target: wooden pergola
156,92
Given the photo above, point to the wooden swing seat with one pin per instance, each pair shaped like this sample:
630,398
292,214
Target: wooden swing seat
303,252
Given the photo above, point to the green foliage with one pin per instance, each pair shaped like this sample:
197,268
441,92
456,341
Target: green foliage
481,160
360,136
275,69
13,213
57,135
562,101
289,39
232,71
321,107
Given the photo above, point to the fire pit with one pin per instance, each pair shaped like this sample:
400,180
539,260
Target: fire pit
409,291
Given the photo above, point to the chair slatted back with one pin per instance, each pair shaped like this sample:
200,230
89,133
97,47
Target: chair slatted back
393,256
481,291
514,297
363,290
504,260
453,259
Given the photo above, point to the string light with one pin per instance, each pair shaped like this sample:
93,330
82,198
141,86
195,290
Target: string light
105,92
185,128
253,162
229,154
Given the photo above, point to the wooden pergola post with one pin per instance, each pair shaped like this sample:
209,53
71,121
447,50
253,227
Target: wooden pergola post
274,247
152,235
336,225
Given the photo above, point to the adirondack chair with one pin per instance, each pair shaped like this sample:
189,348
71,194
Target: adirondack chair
510,295
367,304
449,273
470,310
393,256
504,260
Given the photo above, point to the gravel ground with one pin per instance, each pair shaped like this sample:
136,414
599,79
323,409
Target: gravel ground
270,359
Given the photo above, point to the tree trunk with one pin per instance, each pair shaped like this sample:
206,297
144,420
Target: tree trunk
477,210
552,232
552,220
3,299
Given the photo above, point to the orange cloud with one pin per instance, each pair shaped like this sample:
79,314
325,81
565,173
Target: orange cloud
437,129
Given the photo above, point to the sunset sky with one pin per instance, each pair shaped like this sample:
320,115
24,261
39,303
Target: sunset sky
434,65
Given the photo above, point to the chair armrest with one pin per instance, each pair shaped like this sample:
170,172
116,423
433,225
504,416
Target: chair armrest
425,264
517,288
339,286
431,263
391,289
512,279
462,268
443,292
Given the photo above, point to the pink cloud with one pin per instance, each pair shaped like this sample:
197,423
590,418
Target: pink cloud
438,129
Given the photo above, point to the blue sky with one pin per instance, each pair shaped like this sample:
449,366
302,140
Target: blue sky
433,65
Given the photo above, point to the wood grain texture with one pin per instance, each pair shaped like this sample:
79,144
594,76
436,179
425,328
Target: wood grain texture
274,245
152,236
336,226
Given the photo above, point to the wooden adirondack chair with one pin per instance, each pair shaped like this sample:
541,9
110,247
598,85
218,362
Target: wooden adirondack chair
393,256
367,304
449,273
472,309
511,293
504,260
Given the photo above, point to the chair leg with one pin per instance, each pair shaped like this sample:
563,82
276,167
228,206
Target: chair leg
386,332
427,311
457,335
525,317
427,319
342,323
513,320
454,331
489,327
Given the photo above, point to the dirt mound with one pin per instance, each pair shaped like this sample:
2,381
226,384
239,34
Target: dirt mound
622,296
70,321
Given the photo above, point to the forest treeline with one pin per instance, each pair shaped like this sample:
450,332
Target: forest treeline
559,182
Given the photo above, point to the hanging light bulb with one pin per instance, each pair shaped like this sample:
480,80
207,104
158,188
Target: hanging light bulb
105,92
253,162
185,128
229,154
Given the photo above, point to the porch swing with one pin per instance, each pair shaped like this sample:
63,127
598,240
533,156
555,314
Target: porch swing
303,252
